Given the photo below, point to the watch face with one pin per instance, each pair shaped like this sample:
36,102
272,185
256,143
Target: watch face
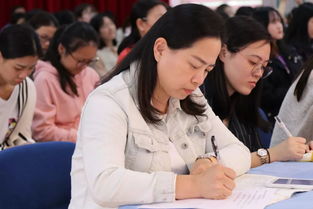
262,152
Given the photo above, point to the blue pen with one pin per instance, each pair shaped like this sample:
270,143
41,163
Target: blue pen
215,148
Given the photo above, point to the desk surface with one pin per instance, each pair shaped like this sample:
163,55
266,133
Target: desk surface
284,169
291,170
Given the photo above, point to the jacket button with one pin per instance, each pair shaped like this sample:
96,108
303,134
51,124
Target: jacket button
197,129
184,145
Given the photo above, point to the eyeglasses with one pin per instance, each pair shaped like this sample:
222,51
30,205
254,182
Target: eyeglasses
259,67
84,62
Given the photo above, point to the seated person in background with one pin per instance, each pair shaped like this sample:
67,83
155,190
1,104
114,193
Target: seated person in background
104,24
65,17
285,62
19,52
63,82
143,15
297,108
244,11
233,90
142,130
299,33
85,12
45,25
225,11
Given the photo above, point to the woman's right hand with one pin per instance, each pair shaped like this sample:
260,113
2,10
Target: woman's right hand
217,182
292,148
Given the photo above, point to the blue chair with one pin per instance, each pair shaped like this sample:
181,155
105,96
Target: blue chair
36,176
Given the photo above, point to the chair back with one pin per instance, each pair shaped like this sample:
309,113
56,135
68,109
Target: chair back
36,176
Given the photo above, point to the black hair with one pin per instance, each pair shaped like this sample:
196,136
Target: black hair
263,15
65,17
79,9
139,10
97,22
297,31
72,37
221,11
19,41
245,107
245,11
304,77
181,27
42,18
15,17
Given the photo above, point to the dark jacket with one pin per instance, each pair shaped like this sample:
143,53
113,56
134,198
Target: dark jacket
275,86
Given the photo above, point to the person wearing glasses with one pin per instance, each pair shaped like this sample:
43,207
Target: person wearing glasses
285,62
63,81
233,88
146,133
45,25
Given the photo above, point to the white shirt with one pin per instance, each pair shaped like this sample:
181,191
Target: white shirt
8,114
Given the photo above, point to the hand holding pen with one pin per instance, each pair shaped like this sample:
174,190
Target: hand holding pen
283,126
209,160
214,180
291,147
215,149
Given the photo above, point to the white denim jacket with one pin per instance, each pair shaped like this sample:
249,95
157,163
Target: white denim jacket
120,159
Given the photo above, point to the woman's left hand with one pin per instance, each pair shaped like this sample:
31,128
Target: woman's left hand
202,165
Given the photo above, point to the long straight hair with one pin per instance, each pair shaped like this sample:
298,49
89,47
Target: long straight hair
140,10
297,31
97,22
245,107
181,27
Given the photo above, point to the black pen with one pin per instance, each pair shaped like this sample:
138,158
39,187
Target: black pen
215,148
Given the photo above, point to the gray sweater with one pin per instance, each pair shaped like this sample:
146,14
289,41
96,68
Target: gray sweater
297,116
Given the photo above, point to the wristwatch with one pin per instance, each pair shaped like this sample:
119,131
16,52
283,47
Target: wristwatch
263,154
205,156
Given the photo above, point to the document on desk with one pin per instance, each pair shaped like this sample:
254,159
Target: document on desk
250,192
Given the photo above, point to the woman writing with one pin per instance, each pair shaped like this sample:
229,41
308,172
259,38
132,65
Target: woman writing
233,90
19,52
297,108
142,130
63,83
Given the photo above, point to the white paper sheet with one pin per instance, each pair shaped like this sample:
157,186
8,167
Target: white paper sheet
250,192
